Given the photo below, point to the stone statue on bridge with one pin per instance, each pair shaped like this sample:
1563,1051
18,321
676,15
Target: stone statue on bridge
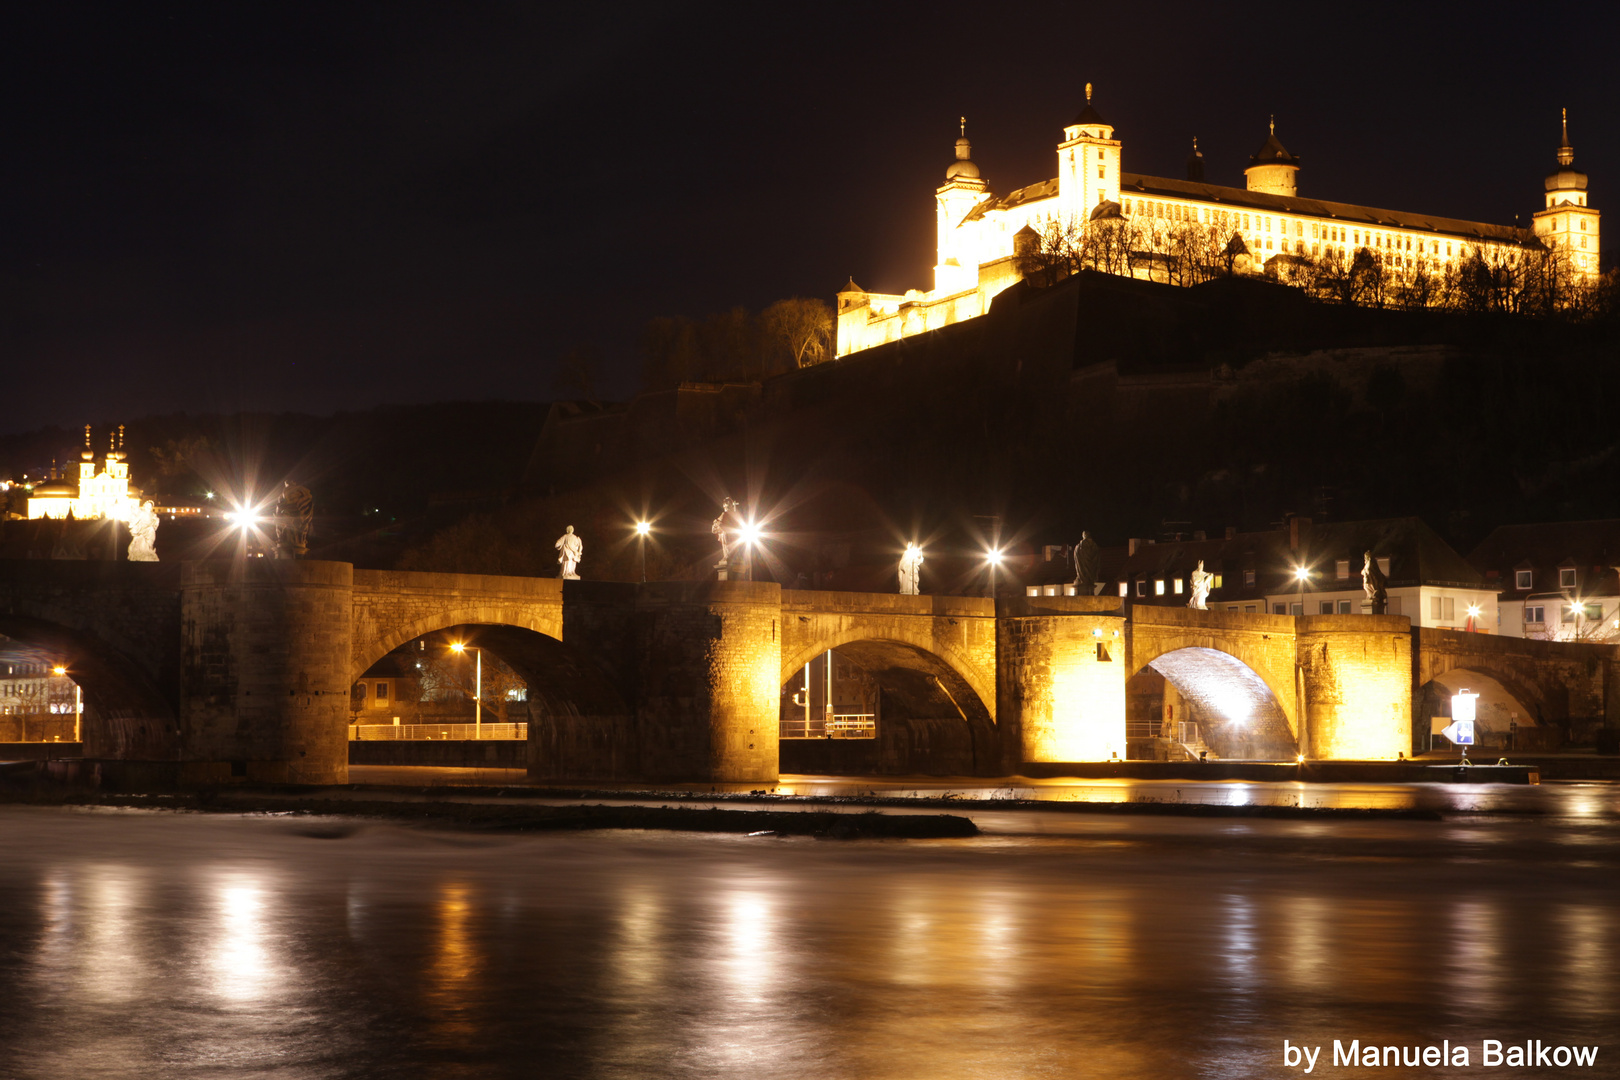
1087,561
1374,584
1202,581
911,571
726,531
570,552
143,527
295,511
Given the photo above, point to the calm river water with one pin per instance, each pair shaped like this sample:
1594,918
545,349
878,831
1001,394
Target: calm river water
156,945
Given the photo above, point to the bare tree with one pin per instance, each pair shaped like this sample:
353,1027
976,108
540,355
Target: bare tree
797,332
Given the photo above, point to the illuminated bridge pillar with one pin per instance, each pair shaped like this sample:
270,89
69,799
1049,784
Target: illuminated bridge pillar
1061,671
264,659
1356,677
708,704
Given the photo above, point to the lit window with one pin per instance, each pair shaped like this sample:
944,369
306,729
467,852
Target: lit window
1177,586
1341,568
382,691
1566,577
1521,579
1124,589
1158,587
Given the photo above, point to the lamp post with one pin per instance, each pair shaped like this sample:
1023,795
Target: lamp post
1473,614
993,558
478,686
78,701
1300,574
642,529
1576,610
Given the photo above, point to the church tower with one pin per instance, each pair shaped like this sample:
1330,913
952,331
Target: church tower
1566,221
1273,169
1088,164
958,265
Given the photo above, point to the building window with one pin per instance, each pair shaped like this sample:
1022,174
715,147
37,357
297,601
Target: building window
1566,577
1344,607
1536,615
1141,588
1248,577
1248,609
1434,608
1124,589
1521,579
1280,609
1327,607
1158,586
1341,568
382,691
1176,585
1099,172
1448,609
1296,608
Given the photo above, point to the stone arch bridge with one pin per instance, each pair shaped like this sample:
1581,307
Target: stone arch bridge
211,670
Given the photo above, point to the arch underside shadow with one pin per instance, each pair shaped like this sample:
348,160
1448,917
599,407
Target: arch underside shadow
1503,704
1237,711
932,721
127,715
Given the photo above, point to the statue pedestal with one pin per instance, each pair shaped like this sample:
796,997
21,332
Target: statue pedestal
1366,607
723,572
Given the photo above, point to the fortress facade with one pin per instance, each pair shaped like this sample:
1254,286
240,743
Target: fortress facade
981,235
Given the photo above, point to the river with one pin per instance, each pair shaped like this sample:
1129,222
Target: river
156,945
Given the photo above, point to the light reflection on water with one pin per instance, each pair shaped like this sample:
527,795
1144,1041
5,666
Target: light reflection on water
150,945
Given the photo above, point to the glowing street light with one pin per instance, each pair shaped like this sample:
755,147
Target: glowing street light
78,701
642,529
750,533
1473,613
1301,573
459,647
993,558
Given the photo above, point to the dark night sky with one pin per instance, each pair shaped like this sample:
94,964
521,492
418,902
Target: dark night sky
325,206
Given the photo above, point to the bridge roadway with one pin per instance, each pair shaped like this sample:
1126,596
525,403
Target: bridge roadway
212,670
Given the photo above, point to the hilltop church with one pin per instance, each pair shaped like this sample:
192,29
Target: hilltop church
980,234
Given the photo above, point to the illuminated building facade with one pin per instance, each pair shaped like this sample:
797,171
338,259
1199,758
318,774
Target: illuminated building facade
981,235
104,494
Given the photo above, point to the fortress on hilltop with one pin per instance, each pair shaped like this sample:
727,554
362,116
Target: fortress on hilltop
983,236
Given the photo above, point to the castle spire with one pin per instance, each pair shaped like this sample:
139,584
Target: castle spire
963,119
1273,123
1088,92
1566,152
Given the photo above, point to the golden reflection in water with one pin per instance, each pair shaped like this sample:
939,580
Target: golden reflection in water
1582,984
112,966
1307,928
1474,942
637,957
749,949
454,976
239,957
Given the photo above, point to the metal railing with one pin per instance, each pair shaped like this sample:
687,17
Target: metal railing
836,726
413,732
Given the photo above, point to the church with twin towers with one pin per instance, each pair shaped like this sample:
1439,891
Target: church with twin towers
981,235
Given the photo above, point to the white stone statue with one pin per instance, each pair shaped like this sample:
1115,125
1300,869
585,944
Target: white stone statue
725,532
143,527
911,571
570,550
1202,581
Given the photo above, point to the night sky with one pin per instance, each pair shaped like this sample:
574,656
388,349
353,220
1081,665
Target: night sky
330,206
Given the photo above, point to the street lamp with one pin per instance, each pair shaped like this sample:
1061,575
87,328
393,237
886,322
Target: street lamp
749,533
478,686
1301,573
78,701
642,529
1577,609
993,557
1473,613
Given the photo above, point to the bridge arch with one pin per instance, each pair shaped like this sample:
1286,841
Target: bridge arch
127,713
1504,702
1232,707
932,718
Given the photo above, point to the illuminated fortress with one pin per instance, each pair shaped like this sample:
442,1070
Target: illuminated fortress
981,236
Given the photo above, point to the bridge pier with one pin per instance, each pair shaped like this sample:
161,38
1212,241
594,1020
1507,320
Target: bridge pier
265,671
1356,686
1060,687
